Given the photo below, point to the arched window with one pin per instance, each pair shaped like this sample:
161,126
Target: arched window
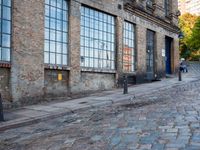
5,30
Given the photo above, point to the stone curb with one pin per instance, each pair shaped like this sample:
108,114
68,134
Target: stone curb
10,124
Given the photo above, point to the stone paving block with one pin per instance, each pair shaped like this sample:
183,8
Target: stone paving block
195,143
115,140
48,108
158,146
31,113
158,126
172,130
145,146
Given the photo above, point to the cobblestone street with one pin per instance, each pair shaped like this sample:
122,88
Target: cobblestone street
165,119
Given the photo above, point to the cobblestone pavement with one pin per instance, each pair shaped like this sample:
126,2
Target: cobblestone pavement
194,68
166,119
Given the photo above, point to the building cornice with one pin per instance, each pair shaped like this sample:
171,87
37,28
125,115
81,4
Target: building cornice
150,17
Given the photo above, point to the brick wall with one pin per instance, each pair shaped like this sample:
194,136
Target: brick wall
5,84
27,71
28,78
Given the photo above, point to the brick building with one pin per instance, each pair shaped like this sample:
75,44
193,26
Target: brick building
54,48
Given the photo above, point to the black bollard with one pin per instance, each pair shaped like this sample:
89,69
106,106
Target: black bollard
125,83
1,109
179,76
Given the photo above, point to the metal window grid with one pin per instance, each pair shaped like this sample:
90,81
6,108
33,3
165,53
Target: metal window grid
97,39
56,32
129,47
5,30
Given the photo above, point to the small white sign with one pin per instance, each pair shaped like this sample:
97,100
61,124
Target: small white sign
163,52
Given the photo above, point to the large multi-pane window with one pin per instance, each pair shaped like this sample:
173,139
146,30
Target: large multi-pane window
167,7
56,32
129,47
97,39
5,29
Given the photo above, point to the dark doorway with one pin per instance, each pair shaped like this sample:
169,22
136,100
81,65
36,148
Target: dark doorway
150,54
168,46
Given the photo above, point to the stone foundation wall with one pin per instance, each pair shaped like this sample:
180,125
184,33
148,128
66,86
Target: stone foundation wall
5,84
91,81
56,83
27,56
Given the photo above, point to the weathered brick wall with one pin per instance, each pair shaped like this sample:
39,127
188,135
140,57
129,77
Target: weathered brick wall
96,81
174,12
160,61
30,81
55,87
176,56
119,45
27,71
5,84
74,46
141,53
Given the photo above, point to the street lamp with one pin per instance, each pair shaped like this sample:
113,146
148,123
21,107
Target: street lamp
180,36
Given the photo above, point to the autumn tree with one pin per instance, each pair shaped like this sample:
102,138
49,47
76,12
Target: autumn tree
194,41
186,24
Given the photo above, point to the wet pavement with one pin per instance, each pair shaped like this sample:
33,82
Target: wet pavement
164,119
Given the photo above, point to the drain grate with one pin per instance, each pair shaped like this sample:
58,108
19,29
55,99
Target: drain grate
82,102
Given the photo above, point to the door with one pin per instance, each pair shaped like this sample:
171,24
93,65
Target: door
150,54
168,44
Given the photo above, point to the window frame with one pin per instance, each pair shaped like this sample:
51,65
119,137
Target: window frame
134,49
4,61
167,7
61,33
92,55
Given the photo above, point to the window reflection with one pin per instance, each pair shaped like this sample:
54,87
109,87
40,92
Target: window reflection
97,39
5,38
128,47
56,31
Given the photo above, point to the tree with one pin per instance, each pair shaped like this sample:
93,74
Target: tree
186,24
194,41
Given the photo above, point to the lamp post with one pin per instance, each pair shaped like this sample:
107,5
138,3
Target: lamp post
180,36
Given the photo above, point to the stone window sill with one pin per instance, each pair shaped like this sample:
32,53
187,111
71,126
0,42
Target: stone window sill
56,67
96,70
5,64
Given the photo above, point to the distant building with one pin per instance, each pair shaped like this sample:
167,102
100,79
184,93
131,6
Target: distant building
189,6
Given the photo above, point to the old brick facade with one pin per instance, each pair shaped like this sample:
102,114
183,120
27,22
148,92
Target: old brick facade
26,78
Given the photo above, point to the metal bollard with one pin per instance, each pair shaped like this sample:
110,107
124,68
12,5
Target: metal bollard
1,109
179,76
125,83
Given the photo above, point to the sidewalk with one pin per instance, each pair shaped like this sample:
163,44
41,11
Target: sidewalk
36,113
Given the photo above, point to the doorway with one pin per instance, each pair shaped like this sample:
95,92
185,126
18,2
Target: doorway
168,47
150,54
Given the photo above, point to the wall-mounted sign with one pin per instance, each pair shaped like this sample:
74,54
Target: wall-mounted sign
59,76
163,52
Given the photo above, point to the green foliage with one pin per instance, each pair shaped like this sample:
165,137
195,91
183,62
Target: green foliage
186,24
194,41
